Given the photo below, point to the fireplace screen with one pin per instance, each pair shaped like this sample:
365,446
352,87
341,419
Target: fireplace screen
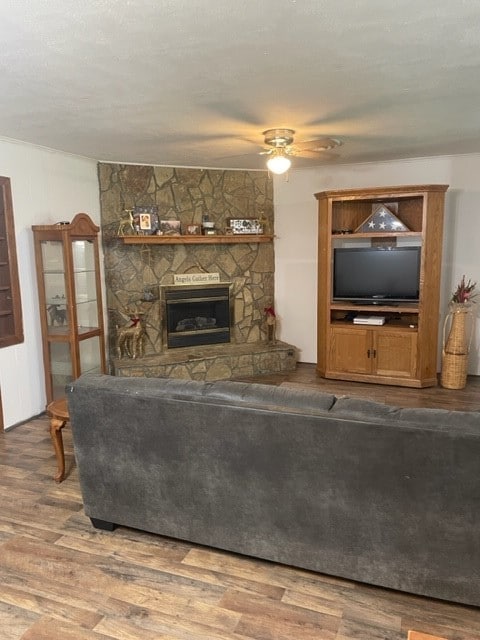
196,315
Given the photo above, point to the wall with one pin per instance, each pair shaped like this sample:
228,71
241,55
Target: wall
296,229
186,195
47,186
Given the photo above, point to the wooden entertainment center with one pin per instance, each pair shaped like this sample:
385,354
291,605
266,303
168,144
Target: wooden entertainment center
402,351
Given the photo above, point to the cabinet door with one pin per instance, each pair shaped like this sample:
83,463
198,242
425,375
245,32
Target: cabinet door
350,350
86,294
395,353
54,285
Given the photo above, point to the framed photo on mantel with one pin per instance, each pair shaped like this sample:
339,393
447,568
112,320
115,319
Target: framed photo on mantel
145,220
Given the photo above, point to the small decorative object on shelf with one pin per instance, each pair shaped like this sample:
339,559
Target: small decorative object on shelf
246,225
126,225
56,315
456,346
208,227
381,220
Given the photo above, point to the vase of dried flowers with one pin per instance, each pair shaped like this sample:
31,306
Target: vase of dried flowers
456,345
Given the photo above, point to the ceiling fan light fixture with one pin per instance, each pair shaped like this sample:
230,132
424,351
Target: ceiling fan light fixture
278,137
279,163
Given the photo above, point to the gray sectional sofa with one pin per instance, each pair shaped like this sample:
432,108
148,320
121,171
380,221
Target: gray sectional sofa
341,486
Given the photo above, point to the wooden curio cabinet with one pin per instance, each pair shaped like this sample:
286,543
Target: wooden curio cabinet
403,350
69,289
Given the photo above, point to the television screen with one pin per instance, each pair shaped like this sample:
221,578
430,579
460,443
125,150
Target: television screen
372,275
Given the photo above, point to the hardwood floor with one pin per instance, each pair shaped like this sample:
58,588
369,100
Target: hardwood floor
466,399
62,579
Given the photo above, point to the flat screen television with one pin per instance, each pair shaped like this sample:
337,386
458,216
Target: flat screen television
376,276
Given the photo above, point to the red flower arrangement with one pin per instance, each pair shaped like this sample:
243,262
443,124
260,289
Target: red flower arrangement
464,292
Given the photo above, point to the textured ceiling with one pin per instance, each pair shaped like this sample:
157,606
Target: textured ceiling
195,82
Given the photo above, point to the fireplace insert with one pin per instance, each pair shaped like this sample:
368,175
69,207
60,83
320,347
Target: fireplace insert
196,315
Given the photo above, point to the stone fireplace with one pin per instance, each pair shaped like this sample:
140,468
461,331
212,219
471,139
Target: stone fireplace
138,277
196,315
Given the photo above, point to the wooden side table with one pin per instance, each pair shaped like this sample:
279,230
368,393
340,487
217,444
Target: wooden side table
418,635
58,413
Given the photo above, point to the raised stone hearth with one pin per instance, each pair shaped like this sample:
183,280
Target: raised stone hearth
213,362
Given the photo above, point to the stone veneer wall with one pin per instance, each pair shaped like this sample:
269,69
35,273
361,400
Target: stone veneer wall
185,195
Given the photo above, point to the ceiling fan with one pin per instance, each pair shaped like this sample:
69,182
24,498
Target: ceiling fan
280,147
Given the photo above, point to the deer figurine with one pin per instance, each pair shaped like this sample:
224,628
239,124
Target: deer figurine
126,225
131,338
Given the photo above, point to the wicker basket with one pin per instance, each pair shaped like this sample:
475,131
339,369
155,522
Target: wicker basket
460,336
456,346
454,370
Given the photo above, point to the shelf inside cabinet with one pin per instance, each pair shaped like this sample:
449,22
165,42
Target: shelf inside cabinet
65,331
379,234
389,324
375,308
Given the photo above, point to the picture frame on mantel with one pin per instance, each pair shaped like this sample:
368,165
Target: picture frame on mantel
192,230
169,228
145,220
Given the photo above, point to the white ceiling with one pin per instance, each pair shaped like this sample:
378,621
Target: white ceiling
195,82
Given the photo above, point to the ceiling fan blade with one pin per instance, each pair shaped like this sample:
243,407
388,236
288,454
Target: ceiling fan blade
318,156
237,155
318,145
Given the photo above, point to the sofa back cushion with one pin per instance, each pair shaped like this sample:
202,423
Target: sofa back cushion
467,422
267,397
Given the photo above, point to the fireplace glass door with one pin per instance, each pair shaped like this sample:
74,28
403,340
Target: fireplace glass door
197,315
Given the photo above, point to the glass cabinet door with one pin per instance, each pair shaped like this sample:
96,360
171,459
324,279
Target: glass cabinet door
90,355
55,286
61,368
85,285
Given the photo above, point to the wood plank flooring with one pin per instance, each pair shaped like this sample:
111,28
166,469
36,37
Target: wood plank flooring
466,399
62,579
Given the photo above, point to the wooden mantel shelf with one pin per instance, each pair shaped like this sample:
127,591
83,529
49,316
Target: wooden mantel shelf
197,239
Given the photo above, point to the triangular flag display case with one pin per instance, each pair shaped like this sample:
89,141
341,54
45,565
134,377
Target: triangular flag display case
382,219
402,351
